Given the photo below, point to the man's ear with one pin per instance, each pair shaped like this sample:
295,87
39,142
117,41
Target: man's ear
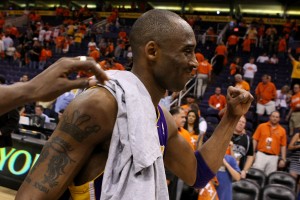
151,50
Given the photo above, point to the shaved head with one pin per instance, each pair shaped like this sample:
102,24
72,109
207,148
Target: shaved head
154,25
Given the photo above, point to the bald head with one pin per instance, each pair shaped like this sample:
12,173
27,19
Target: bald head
155,25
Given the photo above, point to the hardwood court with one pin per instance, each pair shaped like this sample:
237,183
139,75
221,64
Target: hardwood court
7,194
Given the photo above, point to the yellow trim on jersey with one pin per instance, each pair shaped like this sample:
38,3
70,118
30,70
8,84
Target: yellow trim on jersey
85,191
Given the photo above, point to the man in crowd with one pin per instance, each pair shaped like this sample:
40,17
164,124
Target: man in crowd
265,95
249,71
242,147
269,140
240,83
217,101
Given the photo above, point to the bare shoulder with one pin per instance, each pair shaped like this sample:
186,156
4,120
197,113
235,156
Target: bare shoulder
172,128
92,112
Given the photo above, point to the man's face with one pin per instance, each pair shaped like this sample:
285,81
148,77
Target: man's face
264,79
180,119
237,79
190,100
218,91
296,88
176,58
24,78
274,118
240,125
38,111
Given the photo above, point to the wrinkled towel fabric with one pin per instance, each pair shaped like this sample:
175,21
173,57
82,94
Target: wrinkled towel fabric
134,169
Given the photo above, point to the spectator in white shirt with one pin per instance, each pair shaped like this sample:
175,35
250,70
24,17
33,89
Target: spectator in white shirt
283,97
249,71
274,59
263,58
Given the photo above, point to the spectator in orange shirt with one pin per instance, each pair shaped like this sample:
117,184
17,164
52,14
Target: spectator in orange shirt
180,119
247,46
294,113
281,48
235,66
94,52
59,43
199,57
217,101
192,127
240,83
265,96
269,140
203,76
110,64
221,49
46,53
232,42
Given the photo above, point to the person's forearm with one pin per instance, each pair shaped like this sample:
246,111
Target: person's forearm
235,175
214,149
248,163
14,95
254,145
283,153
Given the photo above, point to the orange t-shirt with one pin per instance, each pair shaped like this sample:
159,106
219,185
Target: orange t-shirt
209,192
95,54
277,134
204,67
246,45
122,34
295,102
265,92
115,66
185,134
243,85
233,68
221,50
217,101
59,41
232,40
282,45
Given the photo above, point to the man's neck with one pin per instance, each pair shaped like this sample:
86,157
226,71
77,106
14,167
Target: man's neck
237,133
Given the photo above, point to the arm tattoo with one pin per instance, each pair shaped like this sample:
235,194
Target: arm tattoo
73,126
57,163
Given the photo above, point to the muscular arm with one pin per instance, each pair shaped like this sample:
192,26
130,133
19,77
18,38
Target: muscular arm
179,157
88,121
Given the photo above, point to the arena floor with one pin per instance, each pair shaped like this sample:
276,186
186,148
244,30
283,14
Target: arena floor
7,194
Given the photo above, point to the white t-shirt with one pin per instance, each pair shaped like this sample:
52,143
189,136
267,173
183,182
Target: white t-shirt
281,99
42,35
262,59
249,70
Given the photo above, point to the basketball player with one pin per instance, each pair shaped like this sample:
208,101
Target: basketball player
79,150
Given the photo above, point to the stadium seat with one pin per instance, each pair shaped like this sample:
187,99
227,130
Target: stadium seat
258,176
276,192
282,178
212,120
245,190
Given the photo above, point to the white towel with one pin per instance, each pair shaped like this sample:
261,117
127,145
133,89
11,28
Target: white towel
134,169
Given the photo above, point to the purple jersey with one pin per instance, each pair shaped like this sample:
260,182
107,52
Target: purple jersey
94,187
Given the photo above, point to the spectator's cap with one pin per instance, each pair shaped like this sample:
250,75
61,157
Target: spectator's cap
190,95
35,38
